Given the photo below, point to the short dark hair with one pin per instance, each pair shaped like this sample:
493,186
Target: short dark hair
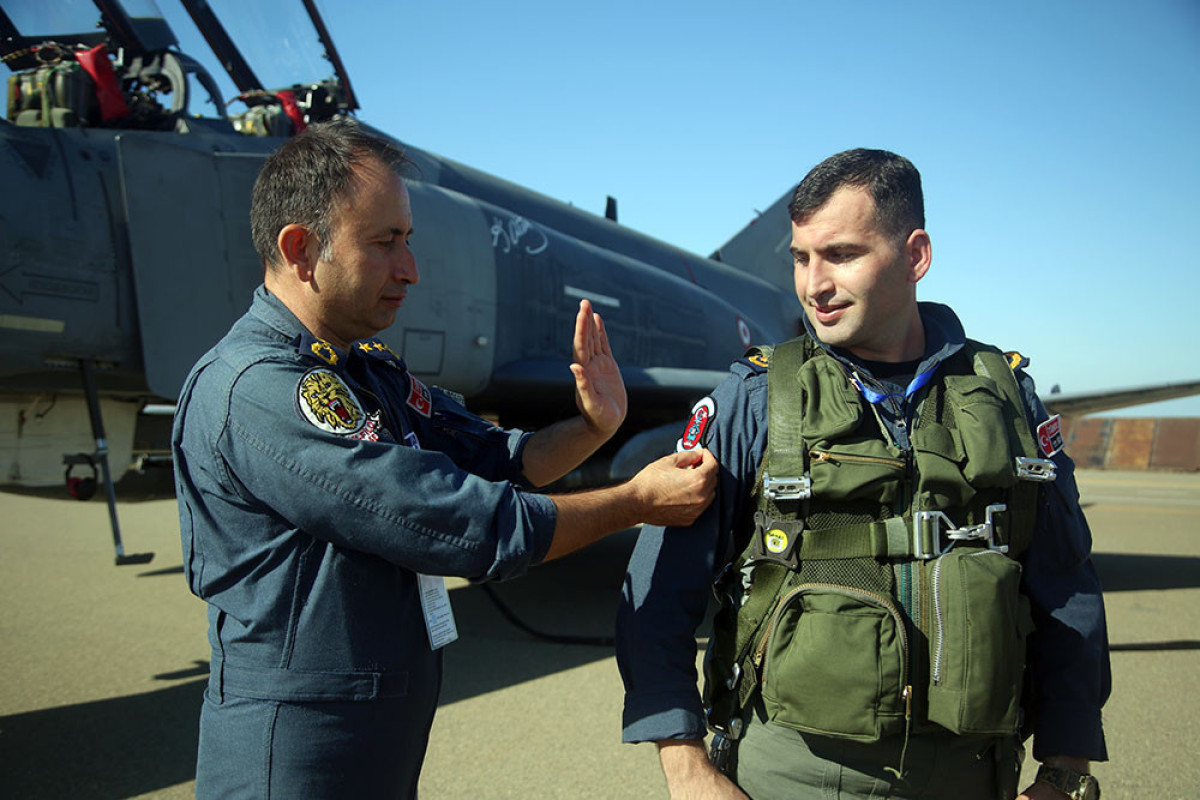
892,181
304,181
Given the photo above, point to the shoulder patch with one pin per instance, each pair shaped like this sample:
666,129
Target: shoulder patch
1016,361
325,400
1049,436
703,414
419,399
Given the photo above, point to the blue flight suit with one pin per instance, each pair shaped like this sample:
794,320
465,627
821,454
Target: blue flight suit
313,486
672,570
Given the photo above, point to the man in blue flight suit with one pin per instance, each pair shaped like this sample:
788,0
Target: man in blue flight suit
324,490
818,571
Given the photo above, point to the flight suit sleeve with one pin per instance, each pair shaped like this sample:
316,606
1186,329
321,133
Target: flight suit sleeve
413,507
1068,651
473,443
668,583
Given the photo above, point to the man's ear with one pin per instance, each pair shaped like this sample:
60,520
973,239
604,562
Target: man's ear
919,251
299,249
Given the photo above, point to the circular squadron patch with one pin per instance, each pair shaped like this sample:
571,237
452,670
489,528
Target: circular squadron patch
327,402
702,414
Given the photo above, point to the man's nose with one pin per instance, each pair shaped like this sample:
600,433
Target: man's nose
818,279
405,269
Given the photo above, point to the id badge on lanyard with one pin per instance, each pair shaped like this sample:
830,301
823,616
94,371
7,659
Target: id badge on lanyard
435,598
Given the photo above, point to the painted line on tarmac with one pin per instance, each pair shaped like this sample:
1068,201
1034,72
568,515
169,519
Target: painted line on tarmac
1141,509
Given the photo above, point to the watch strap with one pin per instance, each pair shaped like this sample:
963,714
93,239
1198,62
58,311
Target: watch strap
1076,785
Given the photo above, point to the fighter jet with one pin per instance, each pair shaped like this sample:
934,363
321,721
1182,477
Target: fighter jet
125,249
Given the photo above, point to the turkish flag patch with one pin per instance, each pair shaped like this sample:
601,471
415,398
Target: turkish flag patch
418,397
1049,436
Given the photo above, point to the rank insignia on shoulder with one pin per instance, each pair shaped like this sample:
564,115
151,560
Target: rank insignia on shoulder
310,345
1016,361
324,399
419,399
702,414
756,360
1049,436
376,348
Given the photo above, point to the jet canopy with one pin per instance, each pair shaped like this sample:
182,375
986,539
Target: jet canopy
107,63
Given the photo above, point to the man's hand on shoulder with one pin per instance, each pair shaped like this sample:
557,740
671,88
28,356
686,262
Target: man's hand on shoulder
691,775
677,488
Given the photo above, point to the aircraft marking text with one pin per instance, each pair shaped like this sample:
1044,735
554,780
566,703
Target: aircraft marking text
509,235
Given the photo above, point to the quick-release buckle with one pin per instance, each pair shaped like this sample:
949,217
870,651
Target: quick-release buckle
1042,470
787,488
730,733
927,532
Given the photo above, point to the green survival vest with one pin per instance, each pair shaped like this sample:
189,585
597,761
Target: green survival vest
878,590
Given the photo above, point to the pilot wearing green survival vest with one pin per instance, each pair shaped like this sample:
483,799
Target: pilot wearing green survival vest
902,567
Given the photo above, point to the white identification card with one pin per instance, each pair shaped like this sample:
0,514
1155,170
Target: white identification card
439,616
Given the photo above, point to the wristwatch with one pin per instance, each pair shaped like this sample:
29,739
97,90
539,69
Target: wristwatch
1075,785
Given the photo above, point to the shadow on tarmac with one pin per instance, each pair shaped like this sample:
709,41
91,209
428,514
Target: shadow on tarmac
134,745
575,596
115,748
1131,572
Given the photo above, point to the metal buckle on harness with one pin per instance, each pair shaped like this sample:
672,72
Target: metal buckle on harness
787,488
927,532
1042,470
730,733
734,676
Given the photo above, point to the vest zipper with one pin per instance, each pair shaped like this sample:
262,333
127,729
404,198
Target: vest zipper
935,669
850,458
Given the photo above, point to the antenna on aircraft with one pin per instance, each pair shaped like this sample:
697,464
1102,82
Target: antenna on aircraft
610,208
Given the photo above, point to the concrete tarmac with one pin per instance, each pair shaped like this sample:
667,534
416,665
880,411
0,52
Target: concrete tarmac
103,667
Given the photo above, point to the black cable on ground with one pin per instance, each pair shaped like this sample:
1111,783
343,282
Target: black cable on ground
558,638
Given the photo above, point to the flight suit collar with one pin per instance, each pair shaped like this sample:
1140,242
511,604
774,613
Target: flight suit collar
944,336
271,311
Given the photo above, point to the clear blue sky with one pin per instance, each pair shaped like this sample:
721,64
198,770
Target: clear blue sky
1059,141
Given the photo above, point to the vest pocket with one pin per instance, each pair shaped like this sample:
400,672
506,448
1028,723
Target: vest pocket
982,427
977,642
871,471
833,661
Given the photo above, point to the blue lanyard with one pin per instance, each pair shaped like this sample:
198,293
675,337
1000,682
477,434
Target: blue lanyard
914,386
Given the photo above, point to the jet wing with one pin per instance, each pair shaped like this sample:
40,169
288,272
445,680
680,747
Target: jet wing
1077,404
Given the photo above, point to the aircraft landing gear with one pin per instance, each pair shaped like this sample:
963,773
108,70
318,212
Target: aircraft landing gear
84,487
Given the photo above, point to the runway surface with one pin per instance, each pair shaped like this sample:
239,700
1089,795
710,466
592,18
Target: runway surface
103,666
